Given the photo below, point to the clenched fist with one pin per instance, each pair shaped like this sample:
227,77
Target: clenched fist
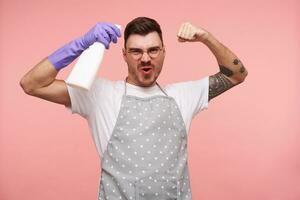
190,33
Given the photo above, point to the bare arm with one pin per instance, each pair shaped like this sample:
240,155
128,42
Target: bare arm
232,71
40,82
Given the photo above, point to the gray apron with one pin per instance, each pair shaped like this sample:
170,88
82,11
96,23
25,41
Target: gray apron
146,156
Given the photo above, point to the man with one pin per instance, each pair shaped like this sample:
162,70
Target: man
139,128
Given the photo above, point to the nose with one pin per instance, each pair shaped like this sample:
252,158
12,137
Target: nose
145,57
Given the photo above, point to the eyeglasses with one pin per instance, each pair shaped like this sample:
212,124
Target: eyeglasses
153,52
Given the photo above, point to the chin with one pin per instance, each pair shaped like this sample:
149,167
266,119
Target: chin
147,83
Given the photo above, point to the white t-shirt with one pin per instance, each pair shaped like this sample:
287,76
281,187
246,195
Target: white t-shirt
101,104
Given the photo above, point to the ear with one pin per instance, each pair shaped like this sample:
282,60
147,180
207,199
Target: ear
124,54
164,50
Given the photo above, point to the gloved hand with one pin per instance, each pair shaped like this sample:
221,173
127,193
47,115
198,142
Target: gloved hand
101,32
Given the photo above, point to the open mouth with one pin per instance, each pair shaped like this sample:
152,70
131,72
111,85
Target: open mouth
146,70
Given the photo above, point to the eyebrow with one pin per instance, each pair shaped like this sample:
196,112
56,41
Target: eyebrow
133,48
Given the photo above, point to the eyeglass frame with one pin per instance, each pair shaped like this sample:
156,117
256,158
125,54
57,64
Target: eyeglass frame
141,52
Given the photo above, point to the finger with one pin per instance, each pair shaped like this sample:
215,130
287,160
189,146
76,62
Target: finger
182,30
191,33
103,33
181,39
185,32
104,41
116,30
111,33
114,39
179,34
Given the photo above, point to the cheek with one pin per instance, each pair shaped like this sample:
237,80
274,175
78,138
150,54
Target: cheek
158,70
132,67
159,64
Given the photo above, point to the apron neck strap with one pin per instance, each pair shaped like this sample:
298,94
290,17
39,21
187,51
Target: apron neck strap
125,87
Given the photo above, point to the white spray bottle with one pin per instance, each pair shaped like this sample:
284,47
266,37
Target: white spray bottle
85,70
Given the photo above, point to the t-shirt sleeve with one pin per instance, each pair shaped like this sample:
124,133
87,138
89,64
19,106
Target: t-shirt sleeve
82,101
192,96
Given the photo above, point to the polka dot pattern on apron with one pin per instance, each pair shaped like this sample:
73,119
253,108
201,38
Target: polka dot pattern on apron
146,156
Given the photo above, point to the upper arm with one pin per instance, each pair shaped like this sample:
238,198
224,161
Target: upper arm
56,92
190,96
40,82
219,83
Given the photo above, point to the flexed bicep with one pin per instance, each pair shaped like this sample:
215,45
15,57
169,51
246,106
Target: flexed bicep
218,84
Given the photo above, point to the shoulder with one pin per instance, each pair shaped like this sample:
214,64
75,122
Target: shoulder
106,89
106,84
191,96
186,86
102,82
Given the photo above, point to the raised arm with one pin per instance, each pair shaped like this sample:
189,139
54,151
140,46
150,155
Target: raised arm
232,71
40,80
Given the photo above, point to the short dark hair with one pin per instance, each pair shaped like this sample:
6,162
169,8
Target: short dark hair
142,26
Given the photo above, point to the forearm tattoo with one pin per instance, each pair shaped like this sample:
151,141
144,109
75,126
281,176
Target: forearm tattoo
226,71
218,84
236,62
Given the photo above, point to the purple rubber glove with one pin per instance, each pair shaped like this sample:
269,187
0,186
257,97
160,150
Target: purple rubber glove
101,32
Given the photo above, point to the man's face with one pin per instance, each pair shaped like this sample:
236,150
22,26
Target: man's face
145,70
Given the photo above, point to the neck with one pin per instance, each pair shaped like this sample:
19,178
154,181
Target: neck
128,80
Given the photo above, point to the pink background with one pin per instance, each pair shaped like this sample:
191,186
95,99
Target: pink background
245,146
